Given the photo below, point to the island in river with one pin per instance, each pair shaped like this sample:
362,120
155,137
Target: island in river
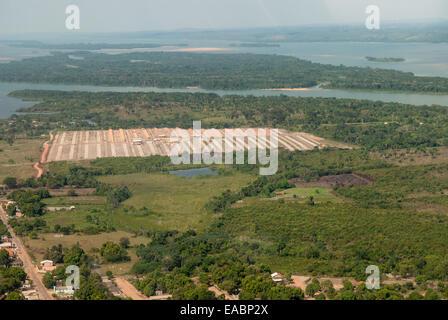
374,59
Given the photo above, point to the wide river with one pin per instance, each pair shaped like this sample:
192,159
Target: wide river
421,58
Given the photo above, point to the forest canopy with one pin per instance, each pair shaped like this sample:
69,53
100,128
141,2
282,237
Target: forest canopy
374,125
209,71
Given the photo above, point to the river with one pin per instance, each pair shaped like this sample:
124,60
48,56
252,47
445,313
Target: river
8,104
421,58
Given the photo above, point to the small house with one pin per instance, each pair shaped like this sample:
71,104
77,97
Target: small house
9,203
47,266
65,291
5,245
9,250
278,277
30,294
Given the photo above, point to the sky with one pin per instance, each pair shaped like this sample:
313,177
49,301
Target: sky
31,16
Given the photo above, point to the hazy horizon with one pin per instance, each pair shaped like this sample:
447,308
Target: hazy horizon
110,16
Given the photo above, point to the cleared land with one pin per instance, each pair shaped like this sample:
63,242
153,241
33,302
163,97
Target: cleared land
159,201
176,202
37,247
316,193
17,160
88,145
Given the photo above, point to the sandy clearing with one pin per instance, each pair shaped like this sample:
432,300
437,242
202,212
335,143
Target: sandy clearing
98,150
302,281
80,145
285,144
307,141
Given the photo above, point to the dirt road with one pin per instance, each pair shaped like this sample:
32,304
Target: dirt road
39,170
43,157
219,292
28,266
129,290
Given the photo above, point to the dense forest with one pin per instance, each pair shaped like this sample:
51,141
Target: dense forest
389,221
209,71
373,125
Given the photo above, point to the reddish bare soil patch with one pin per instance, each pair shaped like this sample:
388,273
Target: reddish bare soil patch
129,290
39,170
219,292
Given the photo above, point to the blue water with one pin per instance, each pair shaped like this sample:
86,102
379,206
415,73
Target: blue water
191,173
421,58
424,59
8,105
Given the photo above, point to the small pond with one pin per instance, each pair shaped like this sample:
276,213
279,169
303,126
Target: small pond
191,173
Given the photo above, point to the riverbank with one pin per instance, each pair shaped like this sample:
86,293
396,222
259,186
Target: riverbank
9,105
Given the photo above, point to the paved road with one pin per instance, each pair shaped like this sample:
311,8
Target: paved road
28,266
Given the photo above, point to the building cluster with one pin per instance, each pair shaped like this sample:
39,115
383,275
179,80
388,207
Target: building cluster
60,290
28,292
6,204
9,246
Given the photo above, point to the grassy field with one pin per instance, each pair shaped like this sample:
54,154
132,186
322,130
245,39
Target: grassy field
315,192
298,194
175,202
17,160
37,247
76,217
80,200
158,202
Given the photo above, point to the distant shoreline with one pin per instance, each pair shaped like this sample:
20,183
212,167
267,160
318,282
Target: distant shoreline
374,59
198,49
288,89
